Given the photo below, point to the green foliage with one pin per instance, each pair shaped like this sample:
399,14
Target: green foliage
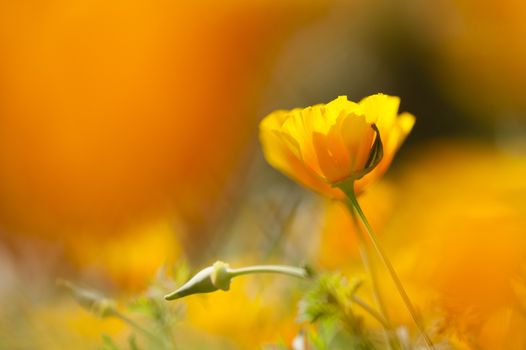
330,297
328,308
150,318
329,305
108,343
132,342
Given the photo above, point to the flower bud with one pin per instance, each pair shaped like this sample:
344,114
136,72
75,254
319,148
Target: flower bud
221,276
90,300
208,280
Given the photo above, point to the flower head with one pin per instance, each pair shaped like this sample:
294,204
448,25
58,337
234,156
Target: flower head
326,144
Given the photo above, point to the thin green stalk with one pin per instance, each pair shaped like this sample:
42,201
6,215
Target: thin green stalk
280,269
371,271
358,301
138,327
302,273
376,244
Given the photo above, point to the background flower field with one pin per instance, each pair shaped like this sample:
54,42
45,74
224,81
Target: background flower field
130,159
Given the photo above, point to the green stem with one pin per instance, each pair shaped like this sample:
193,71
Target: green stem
302,273
371,271
137,326
280,269
358,301
376,244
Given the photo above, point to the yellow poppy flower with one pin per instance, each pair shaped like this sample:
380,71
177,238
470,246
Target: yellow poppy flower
323,145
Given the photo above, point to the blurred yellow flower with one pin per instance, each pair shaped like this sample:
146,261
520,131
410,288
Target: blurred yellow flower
325,144
235,315
468,247
130,259
463,258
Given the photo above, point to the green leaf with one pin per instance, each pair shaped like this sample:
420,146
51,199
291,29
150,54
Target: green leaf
132,342
108,343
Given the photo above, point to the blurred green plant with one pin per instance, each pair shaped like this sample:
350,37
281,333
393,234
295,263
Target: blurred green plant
331,301
150,319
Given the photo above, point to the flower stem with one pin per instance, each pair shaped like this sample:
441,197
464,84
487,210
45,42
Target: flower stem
349,191
304,274
280,269
371,271
138,327
358,301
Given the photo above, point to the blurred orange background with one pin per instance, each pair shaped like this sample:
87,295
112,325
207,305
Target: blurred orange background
128,138
121,113
114,110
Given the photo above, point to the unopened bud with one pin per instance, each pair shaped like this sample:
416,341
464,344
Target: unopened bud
221,276
208,280
90,300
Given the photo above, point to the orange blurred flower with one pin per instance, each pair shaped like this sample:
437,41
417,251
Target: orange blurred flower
467,247
462,257
104,106
323,145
